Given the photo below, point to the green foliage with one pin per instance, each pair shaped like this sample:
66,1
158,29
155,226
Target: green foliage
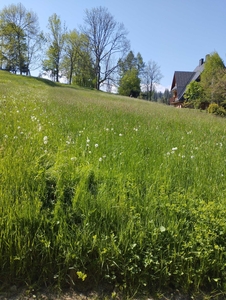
129,84
129,63
77,62
56,40
194,94
18,31
214,108
213,66
131,195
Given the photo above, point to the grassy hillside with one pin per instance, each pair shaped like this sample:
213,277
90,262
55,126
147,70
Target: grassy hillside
101,188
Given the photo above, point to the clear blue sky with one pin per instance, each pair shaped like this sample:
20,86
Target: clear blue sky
173,33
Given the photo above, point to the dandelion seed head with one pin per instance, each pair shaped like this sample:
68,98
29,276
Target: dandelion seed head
100,159
45,140
120,134
96,145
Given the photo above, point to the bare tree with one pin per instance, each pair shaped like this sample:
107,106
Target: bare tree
107,39
151,76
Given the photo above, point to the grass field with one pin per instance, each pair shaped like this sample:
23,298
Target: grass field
101,188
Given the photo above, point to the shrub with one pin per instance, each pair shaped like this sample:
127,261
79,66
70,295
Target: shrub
216,109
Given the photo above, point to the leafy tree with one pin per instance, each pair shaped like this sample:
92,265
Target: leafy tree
56,40
77,60
72,49
194,94
209,77
131,61
107,39
219,88
18,31
151,76
130,84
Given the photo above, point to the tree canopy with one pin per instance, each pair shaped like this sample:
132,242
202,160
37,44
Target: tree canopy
97,54
209,77
19,30
130,84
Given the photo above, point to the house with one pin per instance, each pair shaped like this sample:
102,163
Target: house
180,81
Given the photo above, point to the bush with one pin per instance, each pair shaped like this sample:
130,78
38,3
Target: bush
216,109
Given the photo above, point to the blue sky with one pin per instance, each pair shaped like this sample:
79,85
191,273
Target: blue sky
174,33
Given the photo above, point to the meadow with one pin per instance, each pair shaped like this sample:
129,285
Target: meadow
100,188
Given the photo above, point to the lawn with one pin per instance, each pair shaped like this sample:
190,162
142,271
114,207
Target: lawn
100,188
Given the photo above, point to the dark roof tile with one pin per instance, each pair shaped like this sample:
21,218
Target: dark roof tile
182,80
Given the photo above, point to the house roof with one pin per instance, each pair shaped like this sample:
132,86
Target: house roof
181,80
198,70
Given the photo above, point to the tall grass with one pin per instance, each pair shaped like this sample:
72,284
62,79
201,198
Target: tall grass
96,187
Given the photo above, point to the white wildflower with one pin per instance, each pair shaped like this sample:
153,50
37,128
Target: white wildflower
100,159
174,149
45,139
96,145
120,134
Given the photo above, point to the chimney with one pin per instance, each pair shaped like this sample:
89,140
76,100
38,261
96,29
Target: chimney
207,56
201,61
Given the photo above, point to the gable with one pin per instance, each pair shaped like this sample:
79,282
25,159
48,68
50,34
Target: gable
180,81
182,78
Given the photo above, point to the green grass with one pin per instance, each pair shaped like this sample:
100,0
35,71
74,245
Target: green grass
96,187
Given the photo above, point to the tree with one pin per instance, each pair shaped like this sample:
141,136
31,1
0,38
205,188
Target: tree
151,76
107,39
130,84
72,49
193,94
219,88
77,60
213,66
56,39
129,62
18,27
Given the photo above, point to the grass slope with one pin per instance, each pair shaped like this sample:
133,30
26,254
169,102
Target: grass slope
101,188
